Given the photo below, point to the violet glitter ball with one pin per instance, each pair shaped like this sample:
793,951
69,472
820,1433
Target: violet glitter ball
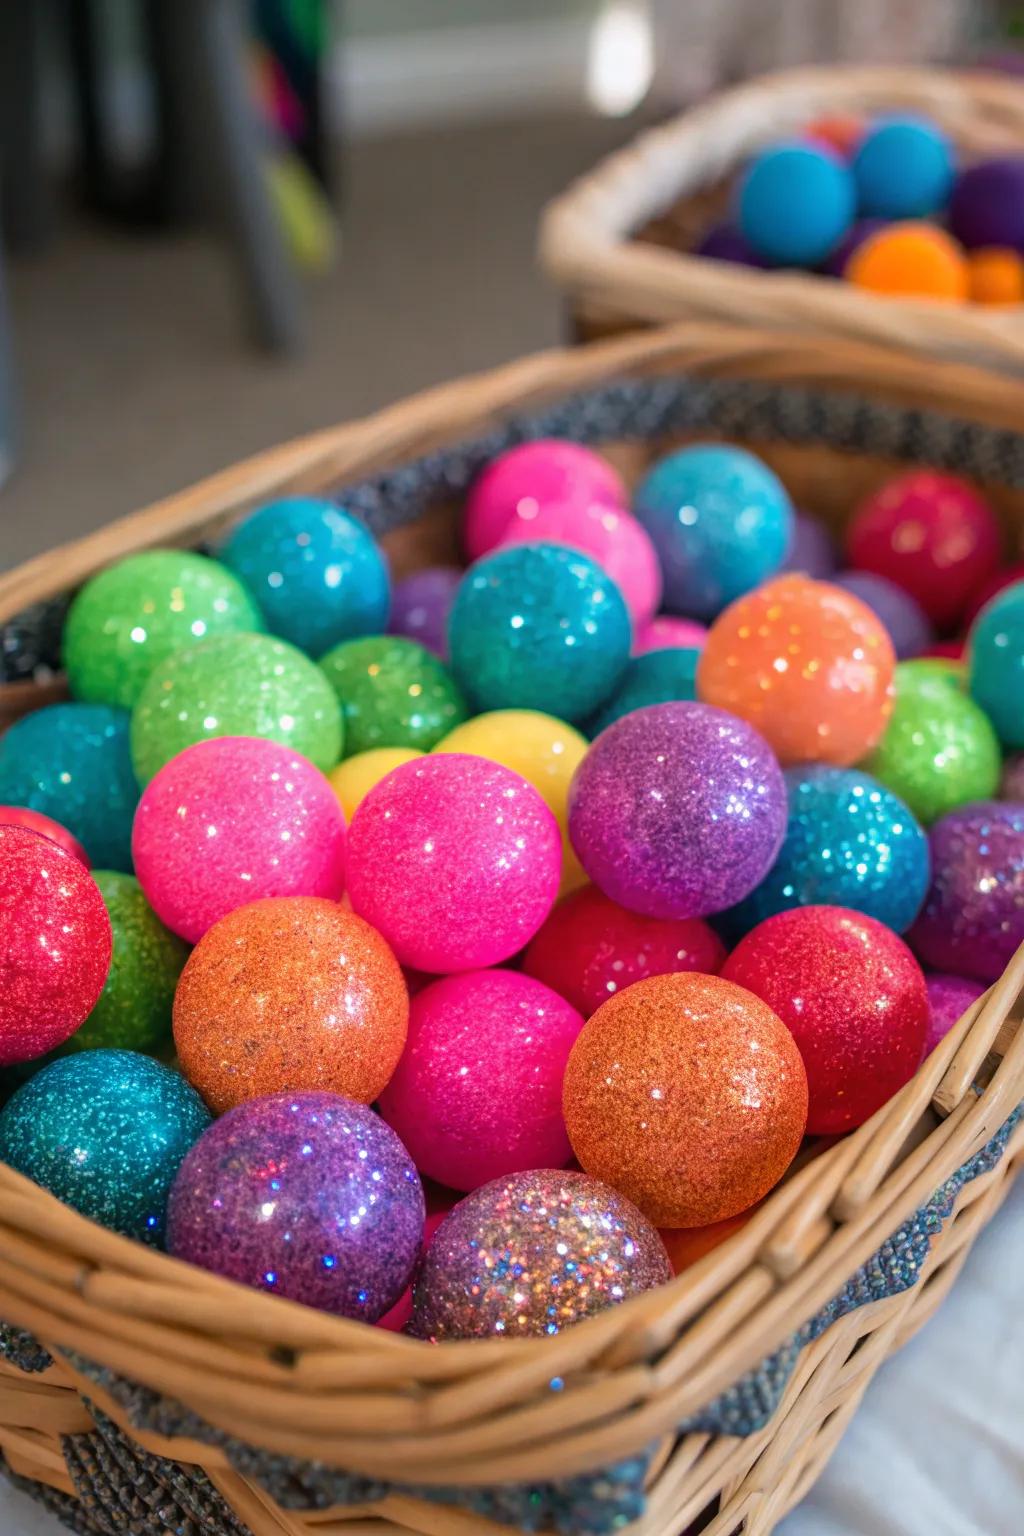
724,242
812,550
949,998
987,205
420,605
903,617
307,1195
859,231
678,810
973,916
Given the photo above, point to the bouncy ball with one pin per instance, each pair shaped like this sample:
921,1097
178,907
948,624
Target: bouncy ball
533,475
996,661
903,168
939,749
973,916
393,692
795,202
421,603
611,536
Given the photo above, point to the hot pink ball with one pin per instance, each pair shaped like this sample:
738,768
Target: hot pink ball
666,632
949,998
231,820
532,475
613,538
455,860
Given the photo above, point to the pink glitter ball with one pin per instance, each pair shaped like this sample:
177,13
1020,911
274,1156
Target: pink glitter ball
455,860
548,470
949,998
35,821
230,820
666,632
401,1313
613,538
478,1090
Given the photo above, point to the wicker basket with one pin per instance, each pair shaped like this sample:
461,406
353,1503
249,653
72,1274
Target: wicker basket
138,1394
617,241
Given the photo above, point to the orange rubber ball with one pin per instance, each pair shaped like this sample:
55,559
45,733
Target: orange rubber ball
911,260
806,663
996,275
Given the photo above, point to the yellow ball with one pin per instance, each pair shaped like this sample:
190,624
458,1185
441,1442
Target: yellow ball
545,751
353,779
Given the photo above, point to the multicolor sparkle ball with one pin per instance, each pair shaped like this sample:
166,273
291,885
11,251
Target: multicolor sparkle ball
35,821
973,916
609,535
309,1196
996,648
949,998
532,1254
854,998
292,994
421,603
392,693
688,1095
532,475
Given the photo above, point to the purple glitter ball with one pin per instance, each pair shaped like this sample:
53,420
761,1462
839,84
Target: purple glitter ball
420,605
903,617
1011,785
973,915
678,810
307,1195
723,242
812,551
987,206
949,998
859,231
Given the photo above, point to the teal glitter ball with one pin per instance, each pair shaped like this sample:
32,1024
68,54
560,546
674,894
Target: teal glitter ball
236,685
135,614
393,693
105,1131
656,677
72,762
996,650
539,626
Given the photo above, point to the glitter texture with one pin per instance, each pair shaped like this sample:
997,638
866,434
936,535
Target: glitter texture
455,860
677,810
230,821
290,995
393,693
996,648
656,677
973,916
907,626
533,1254
35,821
949,998
665,631
538,626
105,1131
54,944
72,762
478,1091
854,999
808,664
812,551
688,1095
609,535
137,613
532,475
306,1195
235,685
420,606
353,779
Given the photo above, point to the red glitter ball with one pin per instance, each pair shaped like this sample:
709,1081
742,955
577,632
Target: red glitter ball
854,998
1007,577
55,945
35,821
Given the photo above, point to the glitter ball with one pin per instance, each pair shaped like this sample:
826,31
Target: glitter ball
609,535
949,998
532,1254
307,1195
794,202
137,613
996,648
455,860
903,167
235,685
393,693
478,1091
232,820
808,664
973,916
539,626
656,677
685,1245
353,779
907,626
1011,784
35,821
688,1095
396,1319
721,522
315,571
72,762
290,995
105,1131
853,996
677,810
1006,576
934,668
812,551
532,475
421,603
54,944
666,630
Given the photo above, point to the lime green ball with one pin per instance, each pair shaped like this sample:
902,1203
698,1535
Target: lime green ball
236,685
939,669
137,613
393,693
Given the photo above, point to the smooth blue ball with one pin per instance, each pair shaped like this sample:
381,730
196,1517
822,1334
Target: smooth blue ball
539,626
656,677
795,204
106,1132
996,664
903,169
73,762
721,522
315,571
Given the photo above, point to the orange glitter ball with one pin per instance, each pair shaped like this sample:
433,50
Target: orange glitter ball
291,994
913,260
687,1094
806,663
686,1245
996,275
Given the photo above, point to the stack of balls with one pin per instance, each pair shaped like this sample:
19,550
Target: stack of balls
465,954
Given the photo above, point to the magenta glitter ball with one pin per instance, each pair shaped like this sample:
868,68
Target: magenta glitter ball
478,1090
230,820
666,632
548,470
55,944
972,920
949,998
677,810
307,1195
612,537
455,860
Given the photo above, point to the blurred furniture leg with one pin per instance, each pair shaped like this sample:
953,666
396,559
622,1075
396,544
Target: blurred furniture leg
27,199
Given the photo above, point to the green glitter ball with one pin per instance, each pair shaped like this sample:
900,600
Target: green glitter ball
940,669
136,614
236,685
393,693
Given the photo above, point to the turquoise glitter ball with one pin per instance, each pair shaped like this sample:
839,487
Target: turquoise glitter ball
106,1132
539,626
72,762
656,677
135,614
315,571
393,693
996,651
236,685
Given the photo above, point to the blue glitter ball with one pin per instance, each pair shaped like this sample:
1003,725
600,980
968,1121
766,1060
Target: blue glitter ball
795,203
996,663
721,522
656,677
106,1132
539,626
73,762
850,842
316,572
903,169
